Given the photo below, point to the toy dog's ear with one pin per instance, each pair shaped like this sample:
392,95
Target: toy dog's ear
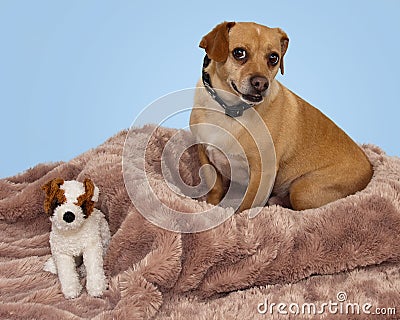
86,201
216,42
54,195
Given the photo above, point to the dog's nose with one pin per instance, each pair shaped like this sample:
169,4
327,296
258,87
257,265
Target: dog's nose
259,83
68,217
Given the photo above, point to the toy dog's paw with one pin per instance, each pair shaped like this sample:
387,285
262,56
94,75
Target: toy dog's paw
50,266
72,291
96,289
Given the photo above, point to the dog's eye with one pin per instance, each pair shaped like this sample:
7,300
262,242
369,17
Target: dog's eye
239,54
273,59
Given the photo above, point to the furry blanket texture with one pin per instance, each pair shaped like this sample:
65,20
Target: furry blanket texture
340,261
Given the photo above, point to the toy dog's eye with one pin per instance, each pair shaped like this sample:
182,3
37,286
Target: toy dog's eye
273,59
239,54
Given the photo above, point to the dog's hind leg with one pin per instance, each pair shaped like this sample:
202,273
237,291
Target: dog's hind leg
50,266
314,191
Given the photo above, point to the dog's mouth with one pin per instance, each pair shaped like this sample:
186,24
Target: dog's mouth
253,98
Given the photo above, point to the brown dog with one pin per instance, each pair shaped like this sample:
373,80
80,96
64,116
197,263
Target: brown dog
316,162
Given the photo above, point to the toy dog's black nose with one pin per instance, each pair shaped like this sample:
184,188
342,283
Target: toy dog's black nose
68,217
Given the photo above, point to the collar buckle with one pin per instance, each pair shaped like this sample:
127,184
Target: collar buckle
231,111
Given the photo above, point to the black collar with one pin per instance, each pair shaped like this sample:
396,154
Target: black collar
232,111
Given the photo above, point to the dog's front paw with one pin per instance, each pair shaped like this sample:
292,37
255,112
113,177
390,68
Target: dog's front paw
279,201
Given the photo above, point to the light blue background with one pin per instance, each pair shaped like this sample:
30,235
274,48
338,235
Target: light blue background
73,73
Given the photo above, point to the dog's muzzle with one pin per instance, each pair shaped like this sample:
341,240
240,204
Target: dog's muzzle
68,217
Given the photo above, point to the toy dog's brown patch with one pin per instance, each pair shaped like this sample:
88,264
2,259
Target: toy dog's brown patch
54,195
85,200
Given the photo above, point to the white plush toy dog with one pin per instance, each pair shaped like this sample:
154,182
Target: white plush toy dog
78,229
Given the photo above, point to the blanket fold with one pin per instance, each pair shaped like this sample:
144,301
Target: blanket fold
151,270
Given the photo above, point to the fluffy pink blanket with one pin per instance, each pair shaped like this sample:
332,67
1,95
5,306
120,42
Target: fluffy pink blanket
345,252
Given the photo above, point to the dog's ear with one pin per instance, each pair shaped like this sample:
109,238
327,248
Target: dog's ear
284,47
216,42
86,200
54,195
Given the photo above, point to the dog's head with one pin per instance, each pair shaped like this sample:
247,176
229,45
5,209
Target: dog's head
247,56
69,202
